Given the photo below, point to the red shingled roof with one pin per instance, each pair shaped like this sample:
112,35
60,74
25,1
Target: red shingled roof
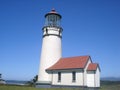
70,63
92,66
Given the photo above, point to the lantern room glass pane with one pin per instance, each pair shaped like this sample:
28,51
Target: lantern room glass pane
52,20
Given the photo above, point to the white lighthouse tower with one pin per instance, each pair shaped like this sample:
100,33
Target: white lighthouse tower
51,46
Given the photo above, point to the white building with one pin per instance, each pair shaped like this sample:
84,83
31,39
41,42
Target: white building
75,71
54,70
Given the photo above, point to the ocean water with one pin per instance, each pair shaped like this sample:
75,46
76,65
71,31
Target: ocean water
16,82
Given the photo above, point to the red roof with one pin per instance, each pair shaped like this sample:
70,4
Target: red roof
92,67
53,12
70,63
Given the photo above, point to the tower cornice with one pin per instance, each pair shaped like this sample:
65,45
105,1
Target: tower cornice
52,31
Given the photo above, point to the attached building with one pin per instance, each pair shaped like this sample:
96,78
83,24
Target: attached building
75,71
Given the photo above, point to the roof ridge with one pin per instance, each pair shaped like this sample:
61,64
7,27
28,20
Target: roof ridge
76,56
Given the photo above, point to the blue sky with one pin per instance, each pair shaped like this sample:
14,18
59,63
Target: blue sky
91,27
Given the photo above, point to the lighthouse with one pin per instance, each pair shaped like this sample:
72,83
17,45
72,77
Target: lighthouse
58,71
51,50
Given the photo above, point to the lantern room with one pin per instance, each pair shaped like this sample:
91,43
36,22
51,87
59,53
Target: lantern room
53,19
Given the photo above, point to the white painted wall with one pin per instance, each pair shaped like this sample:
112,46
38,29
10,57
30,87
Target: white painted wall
66,79
85,72
50,54
90,79
97,78
93,78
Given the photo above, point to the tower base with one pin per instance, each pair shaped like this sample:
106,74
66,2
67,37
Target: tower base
43,84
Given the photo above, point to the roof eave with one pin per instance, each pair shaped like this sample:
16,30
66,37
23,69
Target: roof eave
64,69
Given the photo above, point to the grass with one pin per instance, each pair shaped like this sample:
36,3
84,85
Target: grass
104,86
110,85
11,87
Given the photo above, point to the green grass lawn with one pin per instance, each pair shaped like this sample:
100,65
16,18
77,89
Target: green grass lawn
12,87
110,85
104,86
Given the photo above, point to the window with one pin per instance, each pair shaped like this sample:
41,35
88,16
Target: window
73,76
59,76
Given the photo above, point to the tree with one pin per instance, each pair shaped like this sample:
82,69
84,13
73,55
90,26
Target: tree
33,81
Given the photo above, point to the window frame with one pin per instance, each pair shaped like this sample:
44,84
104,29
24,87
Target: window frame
59,76
74,76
